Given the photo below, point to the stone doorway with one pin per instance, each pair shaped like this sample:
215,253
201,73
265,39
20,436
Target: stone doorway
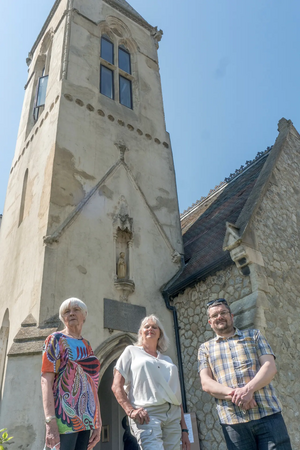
112,414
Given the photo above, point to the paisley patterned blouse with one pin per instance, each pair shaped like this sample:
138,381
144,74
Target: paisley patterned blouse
75,384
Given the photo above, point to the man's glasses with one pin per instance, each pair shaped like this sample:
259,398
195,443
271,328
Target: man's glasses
221,314
219,300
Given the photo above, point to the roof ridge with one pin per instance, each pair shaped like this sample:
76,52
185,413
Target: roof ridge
247,165
226,181
211,193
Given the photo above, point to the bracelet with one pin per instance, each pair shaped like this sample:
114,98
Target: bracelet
48,419
184,430
131,412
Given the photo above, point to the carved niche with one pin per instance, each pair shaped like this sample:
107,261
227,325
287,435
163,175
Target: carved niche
123,235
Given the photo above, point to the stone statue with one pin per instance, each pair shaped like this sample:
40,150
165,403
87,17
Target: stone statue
121,266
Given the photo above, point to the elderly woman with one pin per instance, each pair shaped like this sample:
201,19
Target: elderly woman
146,385
70,375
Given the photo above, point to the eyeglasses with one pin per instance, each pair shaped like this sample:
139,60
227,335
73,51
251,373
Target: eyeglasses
221,314
219,300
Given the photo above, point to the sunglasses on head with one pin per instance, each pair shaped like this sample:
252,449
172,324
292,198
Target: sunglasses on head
219,300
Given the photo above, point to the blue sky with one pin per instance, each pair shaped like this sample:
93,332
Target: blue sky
230,70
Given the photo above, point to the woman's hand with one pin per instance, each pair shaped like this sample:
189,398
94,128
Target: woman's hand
95,438
186,445
140,416
52,435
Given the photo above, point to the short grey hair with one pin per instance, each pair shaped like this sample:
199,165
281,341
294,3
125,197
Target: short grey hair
73,301
163,341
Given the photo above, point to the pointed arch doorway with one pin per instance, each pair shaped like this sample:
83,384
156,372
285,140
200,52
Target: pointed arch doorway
111,412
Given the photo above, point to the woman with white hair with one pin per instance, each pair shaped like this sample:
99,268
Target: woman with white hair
70,376
146,385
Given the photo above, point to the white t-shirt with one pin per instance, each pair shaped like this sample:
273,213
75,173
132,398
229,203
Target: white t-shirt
149,380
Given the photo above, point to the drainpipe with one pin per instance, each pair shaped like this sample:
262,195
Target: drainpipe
166,297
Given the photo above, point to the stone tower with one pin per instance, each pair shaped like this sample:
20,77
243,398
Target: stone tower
91,208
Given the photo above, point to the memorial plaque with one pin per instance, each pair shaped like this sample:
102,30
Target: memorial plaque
123,316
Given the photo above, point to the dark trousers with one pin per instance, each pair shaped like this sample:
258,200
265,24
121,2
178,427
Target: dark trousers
268,433
75,441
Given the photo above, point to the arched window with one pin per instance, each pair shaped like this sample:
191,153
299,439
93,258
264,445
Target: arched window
107,67
38,81
125,84
115,72
40,97
23,197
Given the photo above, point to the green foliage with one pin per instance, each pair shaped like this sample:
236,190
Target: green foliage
4,438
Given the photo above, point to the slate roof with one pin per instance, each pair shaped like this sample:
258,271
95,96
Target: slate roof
189,217
203,240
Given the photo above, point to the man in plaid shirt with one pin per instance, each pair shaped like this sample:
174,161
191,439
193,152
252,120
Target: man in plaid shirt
237,367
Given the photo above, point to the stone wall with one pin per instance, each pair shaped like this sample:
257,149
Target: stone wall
191,308
277,229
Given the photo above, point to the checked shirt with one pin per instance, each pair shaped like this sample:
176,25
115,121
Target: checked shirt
234,362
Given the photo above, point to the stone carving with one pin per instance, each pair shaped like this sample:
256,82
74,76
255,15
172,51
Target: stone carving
157,35
29,59
123,234
122,266
122,148
176,258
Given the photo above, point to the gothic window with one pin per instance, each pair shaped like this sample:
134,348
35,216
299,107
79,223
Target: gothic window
119,72
107,50
106,81
23,198
40,98
106,67
125,86
38,81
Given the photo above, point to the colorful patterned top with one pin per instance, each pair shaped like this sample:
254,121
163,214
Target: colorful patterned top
75,384
234,361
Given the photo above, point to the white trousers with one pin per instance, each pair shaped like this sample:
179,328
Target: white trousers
163,432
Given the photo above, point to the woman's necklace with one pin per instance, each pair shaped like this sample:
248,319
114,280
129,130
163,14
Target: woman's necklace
71,335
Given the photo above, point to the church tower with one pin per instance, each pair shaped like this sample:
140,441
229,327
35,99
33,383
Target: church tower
91,209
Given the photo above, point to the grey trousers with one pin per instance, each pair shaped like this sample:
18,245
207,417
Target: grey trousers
163,432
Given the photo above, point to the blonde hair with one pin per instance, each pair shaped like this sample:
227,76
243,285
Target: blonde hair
163,341
73,301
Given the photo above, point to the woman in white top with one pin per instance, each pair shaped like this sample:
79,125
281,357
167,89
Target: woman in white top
146,385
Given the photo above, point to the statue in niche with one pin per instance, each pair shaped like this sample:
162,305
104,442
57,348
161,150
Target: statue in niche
121,272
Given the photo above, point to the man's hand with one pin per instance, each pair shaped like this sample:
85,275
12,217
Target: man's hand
243,397
250,405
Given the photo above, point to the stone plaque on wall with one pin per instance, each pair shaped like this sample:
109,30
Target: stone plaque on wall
122,316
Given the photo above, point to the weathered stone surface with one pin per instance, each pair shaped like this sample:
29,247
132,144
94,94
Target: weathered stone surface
87,158
33,334
26,348
122,316
191,307
267,299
